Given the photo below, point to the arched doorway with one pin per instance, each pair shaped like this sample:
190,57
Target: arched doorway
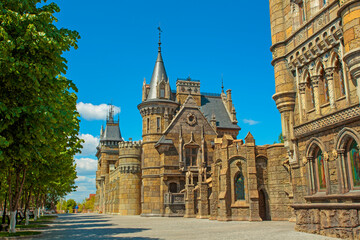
263,206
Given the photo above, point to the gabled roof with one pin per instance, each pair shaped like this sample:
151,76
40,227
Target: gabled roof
213,105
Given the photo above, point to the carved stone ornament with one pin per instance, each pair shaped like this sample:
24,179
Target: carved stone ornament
326,156
191,119
304,160
334,154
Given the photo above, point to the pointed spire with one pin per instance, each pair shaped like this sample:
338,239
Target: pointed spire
159,72
111,114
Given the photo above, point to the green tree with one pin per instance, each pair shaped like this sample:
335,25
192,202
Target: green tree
281,138
71,204
39,123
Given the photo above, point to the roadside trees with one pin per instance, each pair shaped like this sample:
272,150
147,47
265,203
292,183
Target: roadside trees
38,118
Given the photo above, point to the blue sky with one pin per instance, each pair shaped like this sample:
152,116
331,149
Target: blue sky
200,39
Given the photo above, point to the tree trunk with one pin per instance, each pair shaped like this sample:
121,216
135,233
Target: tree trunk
14,197
12,221
4,212
27,217
36,214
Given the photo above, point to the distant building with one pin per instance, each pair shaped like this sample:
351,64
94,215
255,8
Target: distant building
189,162
316,58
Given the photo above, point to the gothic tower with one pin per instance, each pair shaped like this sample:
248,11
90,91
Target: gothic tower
157,110
107,154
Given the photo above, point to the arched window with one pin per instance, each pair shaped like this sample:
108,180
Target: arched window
354,164
239,187
320,170
317,168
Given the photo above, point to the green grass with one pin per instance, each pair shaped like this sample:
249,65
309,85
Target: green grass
18,234
31,226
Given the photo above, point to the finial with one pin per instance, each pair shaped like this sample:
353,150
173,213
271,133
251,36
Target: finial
222,83
160,31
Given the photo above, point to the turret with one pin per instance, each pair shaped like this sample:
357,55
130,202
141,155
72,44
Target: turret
157,110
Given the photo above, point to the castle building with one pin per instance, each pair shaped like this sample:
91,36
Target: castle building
316,59
190,162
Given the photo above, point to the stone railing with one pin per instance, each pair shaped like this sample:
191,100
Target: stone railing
174,198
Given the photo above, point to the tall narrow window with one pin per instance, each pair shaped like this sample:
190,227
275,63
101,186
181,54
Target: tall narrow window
147,125
320,167
309,94
339,80
354,162
162,91
158,124
240,187
191,156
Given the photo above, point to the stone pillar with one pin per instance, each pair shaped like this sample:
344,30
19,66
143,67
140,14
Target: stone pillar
302,88
329,74
189,201
315,85
203,201
350,14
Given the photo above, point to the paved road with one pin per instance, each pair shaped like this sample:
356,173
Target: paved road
95,226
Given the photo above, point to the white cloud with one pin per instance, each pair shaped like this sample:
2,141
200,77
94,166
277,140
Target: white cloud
94,112
85,166
250,121
89,147
85,181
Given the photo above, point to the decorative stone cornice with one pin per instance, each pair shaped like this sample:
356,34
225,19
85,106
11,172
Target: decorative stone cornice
325,122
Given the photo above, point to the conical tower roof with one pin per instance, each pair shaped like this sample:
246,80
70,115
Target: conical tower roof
159,73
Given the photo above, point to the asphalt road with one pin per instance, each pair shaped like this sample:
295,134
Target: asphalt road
95,226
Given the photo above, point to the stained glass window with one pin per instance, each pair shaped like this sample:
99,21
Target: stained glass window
321,169
239,187
355,163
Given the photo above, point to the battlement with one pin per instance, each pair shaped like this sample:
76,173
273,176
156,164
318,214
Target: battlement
130,144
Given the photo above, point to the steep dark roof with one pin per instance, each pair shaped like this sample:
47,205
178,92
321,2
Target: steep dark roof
111,133
214,105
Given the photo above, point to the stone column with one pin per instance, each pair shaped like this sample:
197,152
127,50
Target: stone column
315,85
329,74
189,201
203,201
310,161
302,87
345,185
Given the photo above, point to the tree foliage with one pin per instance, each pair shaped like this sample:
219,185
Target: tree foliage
38,119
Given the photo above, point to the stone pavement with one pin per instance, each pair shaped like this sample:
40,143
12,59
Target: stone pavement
96,226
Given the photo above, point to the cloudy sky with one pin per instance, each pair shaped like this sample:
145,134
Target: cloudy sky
206,40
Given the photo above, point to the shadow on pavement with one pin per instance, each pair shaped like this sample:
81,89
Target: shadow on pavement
69,226
94,233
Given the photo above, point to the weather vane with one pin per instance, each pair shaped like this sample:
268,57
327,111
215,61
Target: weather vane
160,31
